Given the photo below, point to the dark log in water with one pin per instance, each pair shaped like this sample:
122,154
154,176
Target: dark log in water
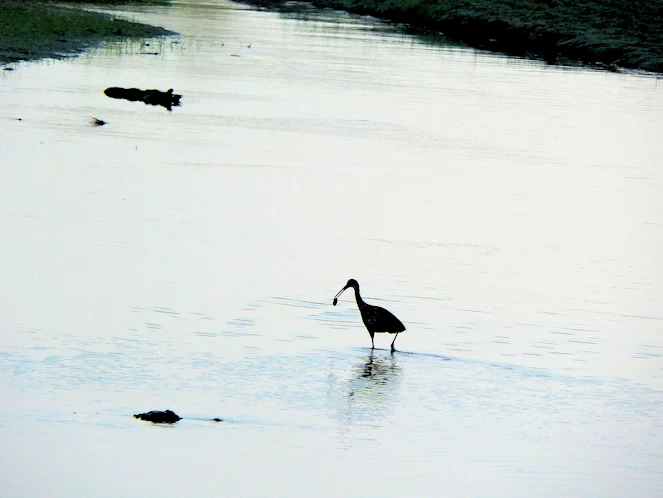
158,417
166,417
152,97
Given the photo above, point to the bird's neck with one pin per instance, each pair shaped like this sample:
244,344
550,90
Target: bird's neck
360,301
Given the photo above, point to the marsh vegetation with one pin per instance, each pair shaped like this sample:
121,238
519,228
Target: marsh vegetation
609,33
38,30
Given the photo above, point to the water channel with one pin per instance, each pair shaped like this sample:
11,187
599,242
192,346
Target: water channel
508,212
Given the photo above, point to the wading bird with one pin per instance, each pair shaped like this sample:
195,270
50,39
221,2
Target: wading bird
375,318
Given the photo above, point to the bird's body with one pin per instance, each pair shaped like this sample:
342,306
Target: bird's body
376,319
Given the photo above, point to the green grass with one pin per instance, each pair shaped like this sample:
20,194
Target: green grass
36,30
108,2
626,33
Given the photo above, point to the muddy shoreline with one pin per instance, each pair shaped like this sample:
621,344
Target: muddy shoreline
610,35
41,30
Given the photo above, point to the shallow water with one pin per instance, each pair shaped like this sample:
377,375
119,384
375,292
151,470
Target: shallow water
509,213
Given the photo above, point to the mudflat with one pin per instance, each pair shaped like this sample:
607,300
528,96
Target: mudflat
612,34
40,30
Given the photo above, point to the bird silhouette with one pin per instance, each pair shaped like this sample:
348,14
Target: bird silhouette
376,319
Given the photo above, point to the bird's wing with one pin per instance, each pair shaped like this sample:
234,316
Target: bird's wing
378,319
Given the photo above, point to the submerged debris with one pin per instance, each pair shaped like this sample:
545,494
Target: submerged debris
158,417
152,97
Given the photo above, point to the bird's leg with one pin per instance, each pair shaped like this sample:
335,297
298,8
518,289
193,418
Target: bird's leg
393,348
372,343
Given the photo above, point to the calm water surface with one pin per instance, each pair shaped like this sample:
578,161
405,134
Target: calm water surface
510,213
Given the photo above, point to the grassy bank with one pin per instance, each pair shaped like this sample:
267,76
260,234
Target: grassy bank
612,33
38,30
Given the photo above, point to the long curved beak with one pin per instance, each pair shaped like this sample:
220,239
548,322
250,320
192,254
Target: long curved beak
339,293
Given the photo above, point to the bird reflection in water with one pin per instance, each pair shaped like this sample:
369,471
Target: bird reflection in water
372,389
377,370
